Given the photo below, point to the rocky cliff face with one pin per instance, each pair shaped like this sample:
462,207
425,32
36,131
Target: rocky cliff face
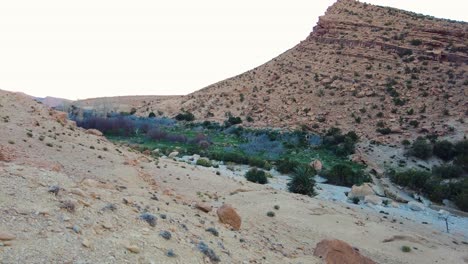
362,68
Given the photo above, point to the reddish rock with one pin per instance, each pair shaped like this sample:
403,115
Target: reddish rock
228,215
339,252
203,207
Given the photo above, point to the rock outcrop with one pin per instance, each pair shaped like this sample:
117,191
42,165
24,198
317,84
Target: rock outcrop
339,252
228,215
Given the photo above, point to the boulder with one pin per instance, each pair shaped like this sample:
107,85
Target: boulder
228,215
93,131
339,252
361,191
373,199
415,206
173,154
317,165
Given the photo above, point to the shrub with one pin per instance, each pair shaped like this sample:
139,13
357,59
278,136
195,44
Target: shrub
204,162
260,163
232,120
447,171
444,149
286,165
271,214
384,131
302,181
415,179
257,176
405,249
462,161
344,175
421,148
461,199
151,115
262,145
461,147
185,116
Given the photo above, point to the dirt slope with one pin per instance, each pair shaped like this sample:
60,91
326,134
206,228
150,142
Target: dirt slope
104,189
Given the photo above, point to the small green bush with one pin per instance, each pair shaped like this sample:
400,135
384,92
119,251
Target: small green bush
444,149
204,162
286,165
185,116
405,249
152,115
271,214
421,148
257,176
302,181
260,163
344,175
447,171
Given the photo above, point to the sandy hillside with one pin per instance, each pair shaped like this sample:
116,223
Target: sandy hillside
363,67
67,196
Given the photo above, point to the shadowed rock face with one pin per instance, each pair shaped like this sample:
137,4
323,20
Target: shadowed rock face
339,252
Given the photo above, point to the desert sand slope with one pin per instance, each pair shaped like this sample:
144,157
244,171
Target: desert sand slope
103,190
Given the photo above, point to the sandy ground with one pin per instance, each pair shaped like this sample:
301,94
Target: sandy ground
110,187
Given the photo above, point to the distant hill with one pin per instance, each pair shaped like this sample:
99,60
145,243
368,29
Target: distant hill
53,102
385,73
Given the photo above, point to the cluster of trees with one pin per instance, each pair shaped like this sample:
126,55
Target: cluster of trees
435,184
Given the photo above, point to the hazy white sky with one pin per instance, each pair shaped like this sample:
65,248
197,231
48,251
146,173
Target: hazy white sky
92,48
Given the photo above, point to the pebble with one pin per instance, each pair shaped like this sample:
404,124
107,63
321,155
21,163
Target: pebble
133,248
107,225
5,236
76,229
86,243
165,234
170,253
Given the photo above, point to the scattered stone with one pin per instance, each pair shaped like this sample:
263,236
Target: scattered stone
213,231
86,243
170,253
228,215
77,191
107,225
54,189
68,205
373,199
76,229
173,154
360,191
203,207
5,236
109,207
337,251
133,248
149,218
317,165
415,206
93,131
165,234
163,216
208,252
